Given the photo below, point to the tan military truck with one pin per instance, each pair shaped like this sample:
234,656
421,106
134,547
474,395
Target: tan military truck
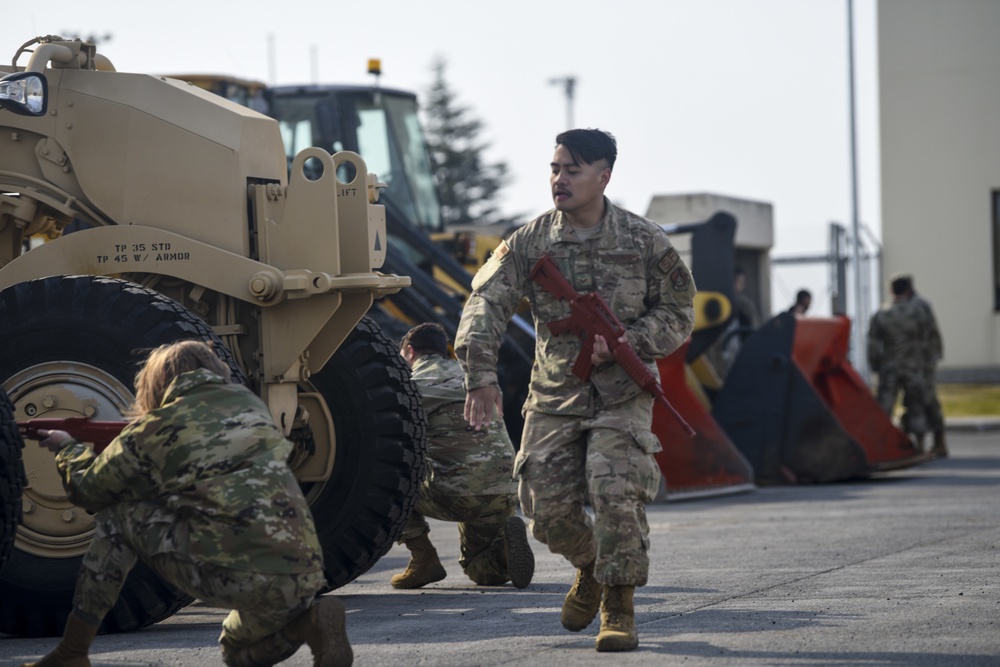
137,210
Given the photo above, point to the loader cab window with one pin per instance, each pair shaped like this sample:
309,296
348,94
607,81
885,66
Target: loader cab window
391,141
296,135
383,128
373,143
414,160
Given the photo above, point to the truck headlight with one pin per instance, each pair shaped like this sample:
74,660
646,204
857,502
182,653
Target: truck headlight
25,93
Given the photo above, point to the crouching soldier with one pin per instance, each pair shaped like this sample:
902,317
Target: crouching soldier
468,478
198,488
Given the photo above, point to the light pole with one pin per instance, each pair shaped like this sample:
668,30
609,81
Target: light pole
569,87
860,360
272,59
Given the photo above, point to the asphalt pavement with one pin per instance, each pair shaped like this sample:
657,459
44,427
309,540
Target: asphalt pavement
896,571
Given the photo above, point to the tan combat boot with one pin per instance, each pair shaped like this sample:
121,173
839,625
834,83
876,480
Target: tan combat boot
940,449
583,600
424,566
618,631
324,628
517,552
72,648
268,651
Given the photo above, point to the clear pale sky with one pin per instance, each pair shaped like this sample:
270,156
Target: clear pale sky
745,98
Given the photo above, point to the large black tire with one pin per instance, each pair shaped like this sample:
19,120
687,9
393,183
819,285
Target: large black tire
11,477
381,442
90,326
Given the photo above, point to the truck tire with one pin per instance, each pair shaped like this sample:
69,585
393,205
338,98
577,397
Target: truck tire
381,443
11,477
83,330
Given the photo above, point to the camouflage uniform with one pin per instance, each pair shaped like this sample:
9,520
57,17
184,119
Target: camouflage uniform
469,473
933,352
585,437
200,491
898,337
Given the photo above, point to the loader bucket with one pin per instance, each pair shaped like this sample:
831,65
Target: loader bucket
799,412
820,350
706,464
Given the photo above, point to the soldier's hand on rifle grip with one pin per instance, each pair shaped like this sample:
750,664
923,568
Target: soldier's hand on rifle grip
53,440
602,351
480,404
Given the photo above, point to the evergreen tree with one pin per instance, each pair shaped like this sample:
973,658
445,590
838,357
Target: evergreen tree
467,186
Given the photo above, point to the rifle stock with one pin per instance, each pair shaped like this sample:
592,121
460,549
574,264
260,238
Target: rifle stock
83,429
591,316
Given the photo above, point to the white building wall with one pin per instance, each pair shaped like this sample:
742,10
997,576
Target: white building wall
939,83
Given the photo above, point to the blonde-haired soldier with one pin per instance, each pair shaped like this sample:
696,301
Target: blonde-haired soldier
198,487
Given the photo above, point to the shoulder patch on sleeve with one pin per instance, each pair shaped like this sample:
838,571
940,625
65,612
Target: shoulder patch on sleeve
492,265
668,260
680,279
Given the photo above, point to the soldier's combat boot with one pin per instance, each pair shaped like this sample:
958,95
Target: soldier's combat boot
583,600
520,559
618,631
72,648
424,566
324,628
940,449
268,651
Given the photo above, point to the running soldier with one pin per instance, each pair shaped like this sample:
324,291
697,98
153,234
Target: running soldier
468,478
584,439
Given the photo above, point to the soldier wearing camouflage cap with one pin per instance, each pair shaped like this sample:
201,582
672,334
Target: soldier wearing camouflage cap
899,337
197,487
468,478
584,439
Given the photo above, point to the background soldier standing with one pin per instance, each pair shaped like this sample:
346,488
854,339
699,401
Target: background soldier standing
803,299
934,352
197,486
898,339
468,478
584,438
744,321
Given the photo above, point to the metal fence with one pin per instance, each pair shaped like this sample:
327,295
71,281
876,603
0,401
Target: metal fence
830,278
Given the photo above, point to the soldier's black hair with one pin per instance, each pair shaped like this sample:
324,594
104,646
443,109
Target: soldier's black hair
590,145
901,285
802,295
426,338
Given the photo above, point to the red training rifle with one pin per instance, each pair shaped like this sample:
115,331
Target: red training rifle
590,316
83,429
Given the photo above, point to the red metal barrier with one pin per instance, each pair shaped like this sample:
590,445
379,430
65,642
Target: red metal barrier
706,464
799,412
820,351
